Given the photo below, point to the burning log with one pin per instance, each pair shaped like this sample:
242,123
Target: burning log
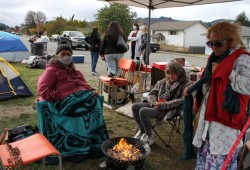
124,151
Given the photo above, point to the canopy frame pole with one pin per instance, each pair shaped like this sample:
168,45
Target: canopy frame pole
148,40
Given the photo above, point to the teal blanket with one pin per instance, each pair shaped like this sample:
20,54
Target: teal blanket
74,125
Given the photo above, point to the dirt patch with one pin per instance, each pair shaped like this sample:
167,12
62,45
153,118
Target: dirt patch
13,110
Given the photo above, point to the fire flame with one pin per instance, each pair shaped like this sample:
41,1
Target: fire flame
125,151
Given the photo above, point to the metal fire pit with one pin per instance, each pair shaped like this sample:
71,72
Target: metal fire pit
114,163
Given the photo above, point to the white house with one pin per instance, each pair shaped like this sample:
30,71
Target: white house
180,33
245,34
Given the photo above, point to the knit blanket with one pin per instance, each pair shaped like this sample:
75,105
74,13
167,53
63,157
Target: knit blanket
74,125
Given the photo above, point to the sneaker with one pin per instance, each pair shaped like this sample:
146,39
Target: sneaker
95,74
147,139
138,135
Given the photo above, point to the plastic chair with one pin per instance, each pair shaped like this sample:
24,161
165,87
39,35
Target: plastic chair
116,86
174,123
32,148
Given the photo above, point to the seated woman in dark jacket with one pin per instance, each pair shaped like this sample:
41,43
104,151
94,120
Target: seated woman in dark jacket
69,111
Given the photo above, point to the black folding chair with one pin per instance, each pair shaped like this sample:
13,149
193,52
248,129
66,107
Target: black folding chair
174,123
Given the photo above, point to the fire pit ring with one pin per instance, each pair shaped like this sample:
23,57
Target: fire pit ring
124,164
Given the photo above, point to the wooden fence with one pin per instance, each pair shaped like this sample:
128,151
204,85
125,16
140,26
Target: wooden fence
173,48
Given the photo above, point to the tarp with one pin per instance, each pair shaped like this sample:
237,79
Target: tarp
11,84
12,48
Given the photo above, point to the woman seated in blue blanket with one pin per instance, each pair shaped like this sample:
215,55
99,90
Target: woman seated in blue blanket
70,111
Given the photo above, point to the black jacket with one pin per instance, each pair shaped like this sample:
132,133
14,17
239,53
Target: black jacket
109,47
94,40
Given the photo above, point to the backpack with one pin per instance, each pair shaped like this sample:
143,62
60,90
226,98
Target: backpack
21,132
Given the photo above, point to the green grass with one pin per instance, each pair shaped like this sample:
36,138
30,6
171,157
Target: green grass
160,158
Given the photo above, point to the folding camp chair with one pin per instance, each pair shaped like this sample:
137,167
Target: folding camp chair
174,123
116,87
31,149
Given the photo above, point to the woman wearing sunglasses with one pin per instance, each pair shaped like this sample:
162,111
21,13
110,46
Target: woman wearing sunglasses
222,96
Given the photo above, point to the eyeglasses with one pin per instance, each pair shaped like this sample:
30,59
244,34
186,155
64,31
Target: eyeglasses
215,43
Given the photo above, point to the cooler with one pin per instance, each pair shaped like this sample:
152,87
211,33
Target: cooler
158,72
160,65
78,58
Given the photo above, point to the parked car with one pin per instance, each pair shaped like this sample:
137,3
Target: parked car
75,39
54,37
154,47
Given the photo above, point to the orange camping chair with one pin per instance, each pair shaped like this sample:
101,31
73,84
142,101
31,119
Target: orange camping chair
113,85
32,148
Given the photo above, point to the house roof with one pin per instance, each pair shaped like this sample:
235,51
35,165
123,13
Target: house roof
174,25
158,35
245,31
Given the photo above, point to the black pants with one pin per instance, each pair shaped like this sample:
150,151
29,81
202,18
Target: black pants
132,52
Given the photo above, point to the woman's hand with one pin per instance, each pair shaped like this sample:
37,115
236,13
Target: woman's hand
95,92
102,57
214,65
186,91
156,105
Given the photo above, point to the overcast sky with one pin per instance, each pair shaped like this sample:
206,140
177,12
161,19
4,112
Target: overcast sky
12,12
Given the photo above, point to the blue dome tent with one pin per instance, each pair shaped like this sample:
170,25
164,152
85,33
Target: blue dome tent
12,48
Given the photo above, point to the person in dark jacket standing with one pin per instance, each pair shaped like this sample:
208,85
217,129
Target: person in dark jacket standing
94,40
109,50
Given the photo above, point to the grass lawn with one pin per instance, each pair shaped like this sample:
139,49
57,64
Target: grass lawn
160,158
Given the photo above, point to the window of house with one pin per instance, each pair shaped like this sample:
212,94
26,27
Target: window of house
172,32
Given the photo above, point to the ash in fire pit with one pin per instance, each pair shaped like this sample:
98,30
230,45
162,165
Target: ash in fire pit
124,152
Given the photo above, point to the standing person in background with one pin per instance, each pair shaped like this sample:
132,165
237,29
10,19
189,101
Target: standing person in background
94,40
222,97
109,50
143,47
135,38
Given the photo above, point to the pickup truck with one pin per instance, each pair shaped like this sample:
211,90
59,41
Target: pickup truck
75,39
154,47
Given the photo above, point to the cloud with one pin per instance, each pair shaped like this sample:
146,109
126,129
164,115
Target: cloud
13,12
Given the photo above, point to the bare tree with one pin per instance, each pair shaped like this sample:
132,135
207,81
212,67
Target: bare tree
35,19
30,19
40,19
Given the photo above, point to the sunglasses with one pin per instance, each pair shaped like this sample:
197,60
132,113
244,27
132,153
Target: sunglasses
216,43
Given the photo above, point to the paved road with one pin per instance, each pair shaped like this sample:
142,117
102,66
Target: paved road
101,67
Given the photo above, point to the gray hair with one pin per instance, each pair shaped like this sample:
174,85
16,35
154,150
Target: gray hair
176,68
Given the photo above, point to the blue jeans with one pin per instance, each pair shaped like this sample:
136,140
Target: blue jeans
94,60
112,61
